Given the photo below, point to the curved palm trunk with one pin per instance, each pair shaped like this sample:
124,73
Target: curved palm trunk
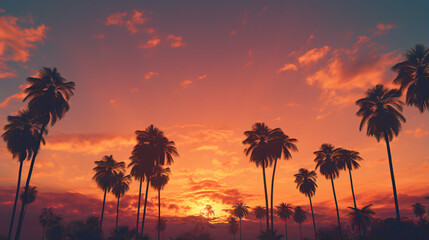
117,214
159,213
266,197
286,228
338,213
392,175
354,199
30,172
138,208
18,185
300,230
272,195
44,231
144,208
312,215
240,228
102,209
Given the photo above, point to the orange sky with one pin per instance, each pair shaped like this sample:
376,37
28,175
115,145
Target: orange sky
204,73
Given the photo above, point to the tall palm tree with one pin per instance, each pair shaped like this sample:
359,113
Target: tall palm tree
327,160
306,183
260,147
413,76
285,212
48,99
361,218
208,210
259,214
105,176
28,198
240,210
232,226
348,160
299,216
381,111
120,187
21,136
161,225
419,210
158,181
48,218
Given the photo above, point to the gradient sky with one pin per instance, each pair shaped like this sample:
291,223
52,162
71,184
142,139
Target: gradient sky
204,72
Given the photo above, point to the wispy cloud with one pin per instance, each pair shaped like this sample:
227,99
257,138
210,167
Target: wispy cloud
313,55
150,75
131,20
186,83
286,67
154,42
17,96
175,41
418,132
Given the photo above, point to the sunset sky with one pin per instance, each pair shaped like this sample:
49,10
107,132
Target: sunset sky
204,72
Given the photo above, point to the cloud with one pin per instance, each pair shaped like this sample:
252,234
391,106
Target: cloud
17,96
286,67
418,132
313,55
310,38
214,148
131,20
150,75
186,83
16,42
383,28
202,76
175,41
150,43
98,36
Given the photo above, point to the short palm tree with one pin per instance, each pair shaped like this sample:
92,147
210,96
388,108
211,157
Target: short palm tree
28,198
120,187
306,183
413,76
259,214
348,160
161,226
106,171
232,226
48,99
21,137
299,216
327,161
361,218
240,210
158,181
285,212
419,210
48,218
381,111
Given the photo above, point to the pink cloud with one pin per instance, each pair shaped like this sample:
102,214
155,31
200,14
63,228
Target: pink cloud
131,20
98,36
418,132
150,75
286,67
383,28
310,38
17,96
186,83
175,41
150,43
202,76
313,55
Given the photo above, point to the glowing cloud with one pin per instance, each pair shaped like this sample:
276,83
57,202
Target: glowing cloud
313,55
175,41
185,83
130,20
286,67
150,75
150,43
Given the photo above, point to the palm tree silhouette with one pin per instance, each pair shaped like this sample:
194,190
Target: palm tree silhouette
413,76
299,216
381,111
28,198
48,99
233,226
306,183
419,210
240,210
105,176
361,218
327,160
120,187
259,214
348,161
285,212
161,225
48,218
21,136
208,210
158,181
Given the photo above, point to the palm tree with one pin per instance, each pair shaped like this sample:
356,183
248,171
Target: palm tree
48,218
299,216
413,76
348,160
232,226
120,187
259,214
161,226
28,198
361,218
208,210
105,176
306,183
21,135
284,211
419,210
48,99
240,210
158,181
327,160
381,111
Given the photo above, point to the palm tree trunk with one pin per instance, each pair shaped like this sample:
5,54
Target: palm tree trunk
102,209
117,214
30,172
272,194
18,185
145,203
392,175
240,228
138,208
314,222
338,213
354,199
266,197
300,230
159,213
44,231
286,228
260,224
